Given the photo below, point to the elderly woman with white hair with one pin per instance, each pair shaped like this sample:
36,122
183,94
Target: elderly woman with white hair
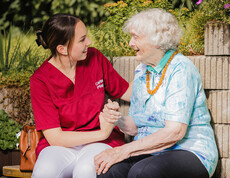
168,114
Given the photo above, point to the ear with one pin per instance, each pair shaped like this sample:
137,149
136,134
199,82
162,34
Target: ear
62,50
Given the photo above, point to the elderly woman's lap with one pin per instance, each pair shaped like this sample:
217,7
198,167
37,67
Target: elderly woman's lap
176,163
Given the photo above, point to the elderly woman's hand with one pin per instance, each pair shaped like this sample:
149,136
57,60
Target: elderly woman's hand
111,112
109,157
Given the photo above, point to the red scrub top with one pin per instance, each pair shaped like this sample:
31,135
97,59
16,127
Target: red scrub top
57,102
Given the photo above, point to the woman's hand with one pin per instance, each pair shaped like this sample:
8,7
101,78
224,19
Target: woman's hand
111,112
109,157
106,127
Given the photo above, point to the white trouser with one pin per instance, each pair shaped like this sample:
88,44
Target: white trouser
61,162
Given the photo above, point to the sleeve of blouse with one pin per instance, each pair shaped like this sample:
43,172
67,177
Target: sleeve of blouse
115,85
181,94
45,113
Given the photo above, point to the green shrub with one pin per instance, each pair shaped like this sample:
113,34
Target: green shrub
112,41
190,4
192,42
109,36
9,128
7,56
33,13
19,58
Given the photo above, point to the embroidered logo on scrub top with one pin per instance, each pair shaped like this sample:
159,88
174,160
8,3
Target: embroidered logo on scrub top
99,84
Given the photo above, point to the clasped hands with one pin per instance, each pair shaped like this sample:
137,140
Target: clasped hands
109,117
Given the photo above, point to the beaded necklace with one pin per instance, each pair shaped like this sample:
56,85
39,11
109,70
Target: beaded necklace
152,92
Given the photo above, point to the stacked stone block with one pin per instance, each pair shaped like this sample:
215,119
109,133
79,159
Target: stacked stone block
217,52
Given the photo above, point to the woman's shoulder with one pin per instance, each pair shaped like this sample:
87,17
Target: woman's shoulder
140,67
93,52
181,62
181,59
42,71
182,66
140,70
94,55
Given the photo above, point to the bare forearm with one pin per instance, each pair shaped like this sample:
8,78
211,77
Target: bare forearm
127,125
127,95
147,145
71,138
158,141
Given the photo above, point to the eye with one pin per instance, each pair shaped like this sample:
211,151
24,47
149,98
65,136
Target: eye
135,36
82,40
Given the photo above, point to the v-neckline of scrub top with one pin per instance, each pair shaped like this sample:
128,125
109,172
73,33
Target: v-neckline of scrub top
66,81
61,73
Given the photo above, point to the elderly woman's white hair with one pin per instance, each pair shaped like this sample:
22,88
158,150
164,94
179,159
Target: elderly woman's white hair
161,27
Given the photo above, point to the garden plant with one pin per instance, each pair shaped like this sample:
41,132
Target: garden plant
9,130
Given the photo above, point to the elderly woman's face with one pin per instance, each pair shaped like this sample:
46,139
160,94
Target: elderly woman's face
145,50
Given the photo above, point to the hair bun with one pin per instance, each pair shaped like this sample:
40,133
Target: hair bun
40,40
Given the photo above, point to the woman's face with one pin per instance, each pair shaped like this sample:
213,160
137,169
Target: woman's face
145,50
80,43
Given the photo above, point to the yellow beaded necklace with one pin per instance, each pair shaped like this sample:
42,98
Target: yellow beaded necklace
152,92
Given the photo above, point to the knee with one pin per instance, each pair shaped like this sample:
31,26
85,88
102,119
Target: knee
52,161
144,171
44,170
85,170
114,172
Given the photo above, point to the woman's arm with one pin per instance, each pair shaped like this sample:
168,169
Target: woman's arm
127,95
57,137
127,125
158,141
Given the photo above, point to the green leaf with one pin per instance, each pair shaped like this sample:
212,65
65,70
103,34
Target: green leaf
1,53
7,50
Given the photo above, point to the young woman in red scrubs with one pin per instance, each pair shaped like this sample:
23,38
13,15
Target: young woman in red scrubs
67,93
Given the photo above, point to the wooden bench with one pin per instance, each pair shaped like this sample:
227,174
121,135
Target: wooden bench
14,171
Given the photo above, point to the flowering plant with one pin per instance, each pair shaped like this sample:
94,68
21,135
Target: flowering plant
226,6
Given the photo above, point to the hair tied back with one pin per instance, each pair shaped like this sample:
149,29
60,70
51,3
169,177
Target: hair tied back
40,40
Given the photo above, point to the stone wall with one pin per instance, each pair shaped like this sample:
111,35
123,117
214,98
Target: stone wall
217,50
16,103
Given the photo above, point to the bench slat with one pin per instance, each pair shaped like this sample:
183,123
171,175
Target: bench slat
14,171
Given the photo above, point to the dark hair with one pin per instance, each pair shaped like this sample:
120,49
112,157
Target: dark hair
58,30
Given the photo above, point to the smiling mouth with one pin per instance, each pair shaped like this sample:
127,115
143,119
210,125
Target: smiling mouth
137,51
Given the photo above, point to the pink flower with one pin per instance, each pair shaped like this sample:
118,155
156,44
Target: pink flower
198,2
227,6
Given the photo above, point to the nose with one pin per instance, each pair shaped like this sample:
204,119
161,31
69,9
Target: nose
89,42
131,43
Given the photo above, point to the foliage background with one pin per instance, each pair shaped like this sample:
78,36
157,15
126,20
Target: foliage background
111,40
20,56
26,14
